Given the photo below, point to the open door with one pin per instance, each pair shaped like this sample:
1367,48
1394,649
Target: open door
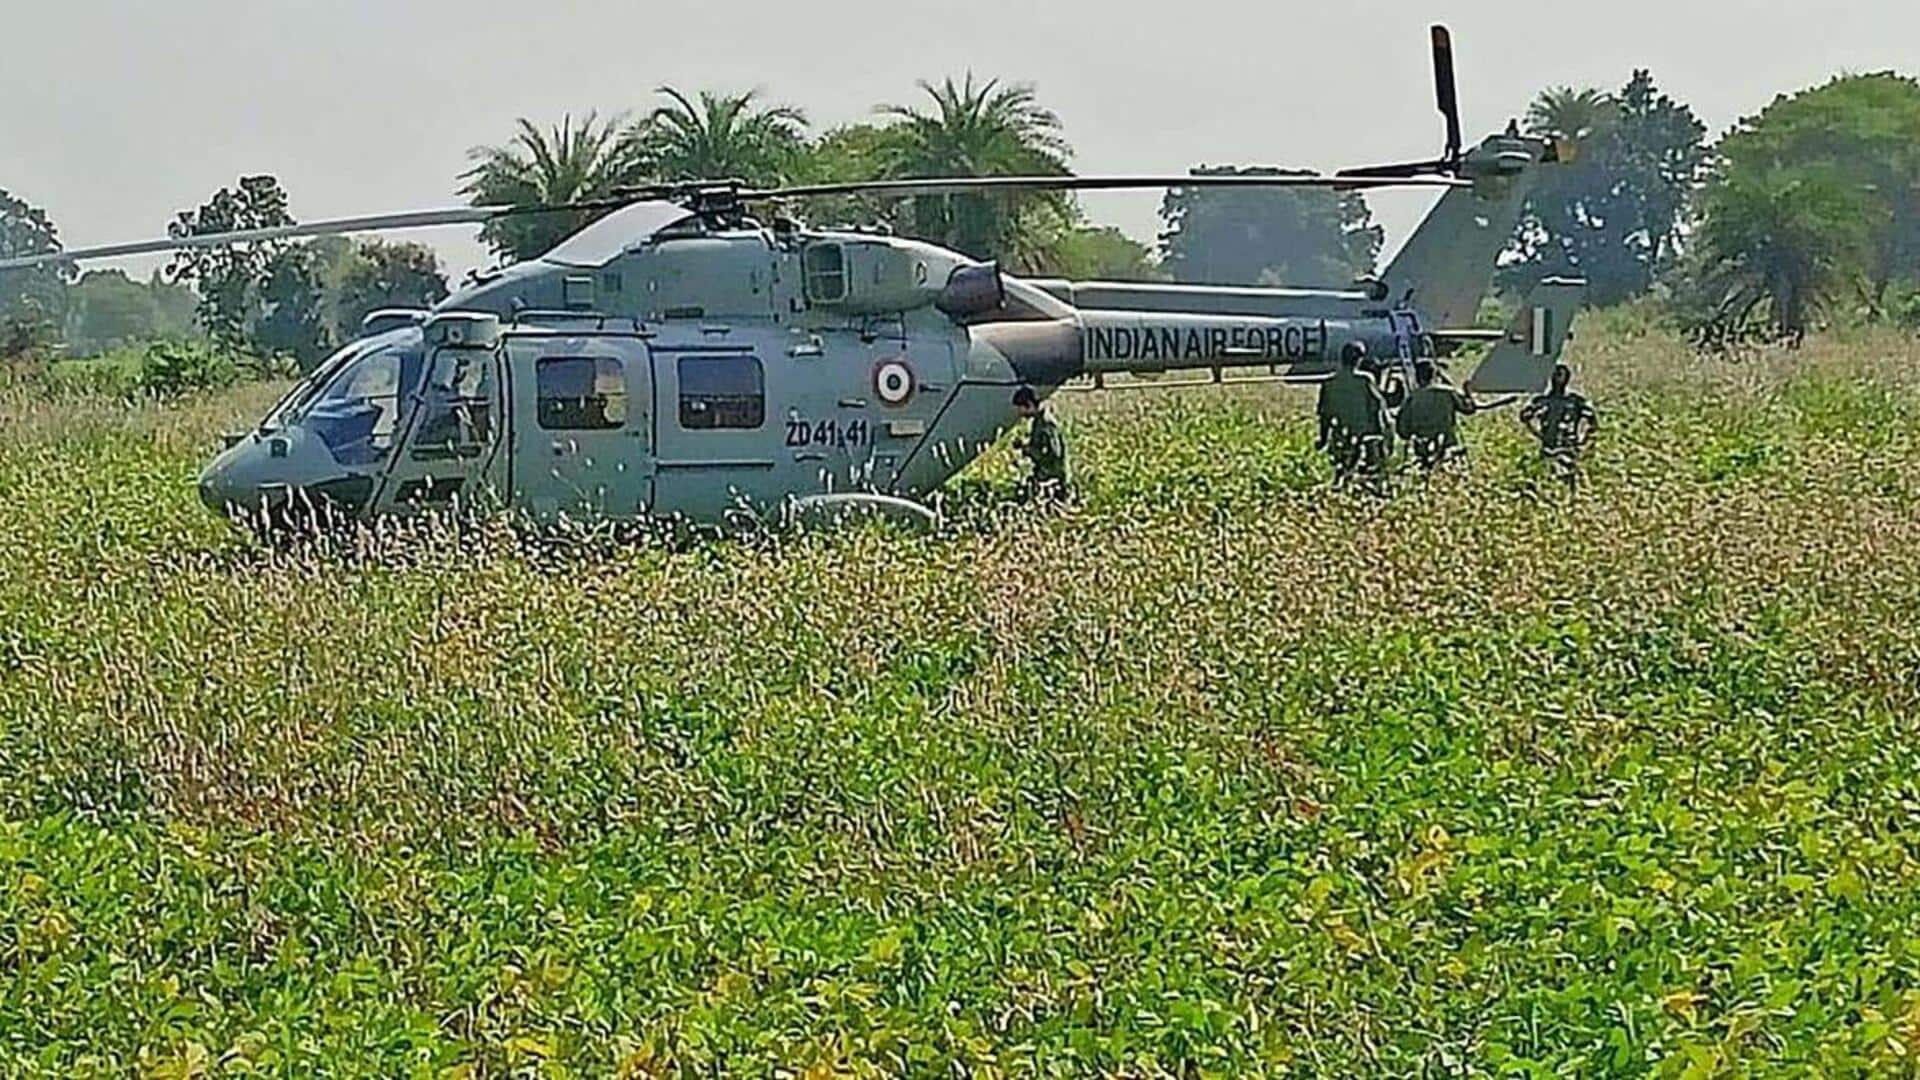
583,425
446,452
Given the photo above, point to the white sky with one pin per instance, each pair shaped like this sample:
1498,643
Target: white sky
114,114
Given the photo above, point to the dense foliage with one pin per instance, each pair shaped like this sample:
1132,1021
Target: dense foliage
108,310
229,279
1613,214
571,162
1783,243
375,274
978,128
1815,203
292,299
1217,772
32,301
719,137
966,127
1229,236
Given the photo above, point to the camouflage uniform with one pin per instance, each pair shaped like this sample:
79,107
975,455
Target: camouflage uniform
1562,420
1046,449
1353,424
1430,422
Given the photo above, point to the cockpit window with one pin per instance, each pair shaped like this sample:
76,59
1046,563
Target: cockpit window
457,416
294,405
356,414
603,241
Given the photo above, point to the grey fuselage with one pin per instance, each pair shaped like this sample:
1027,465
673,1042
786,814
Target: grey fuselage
870,388
662,364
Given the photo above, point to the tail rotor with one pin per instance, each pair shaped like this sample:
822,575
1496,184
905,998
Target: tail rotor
1447,97
1447,94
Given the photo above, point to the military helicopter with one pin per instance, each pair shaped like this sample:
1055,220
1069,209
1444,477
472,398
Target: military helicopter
678,359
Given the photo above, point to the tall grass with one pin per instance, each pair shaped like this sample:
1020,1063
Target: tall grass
1216,771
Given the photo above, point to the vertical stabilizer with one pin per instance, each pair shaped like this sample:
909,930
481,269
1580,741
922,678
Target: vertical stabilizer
1446,266
1523,360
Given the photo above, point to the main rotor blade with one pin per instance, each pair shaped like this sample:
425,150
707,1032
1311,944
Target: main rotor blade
1405,171
417,219
966,185
477,215
1446,92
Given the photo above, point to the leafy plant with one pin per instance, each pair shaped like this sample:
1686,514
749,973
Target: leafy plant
719,137
1614,213
977,128
170,369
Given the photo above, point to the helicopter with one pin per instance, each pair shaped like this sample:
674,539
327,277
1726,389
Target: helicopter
677,359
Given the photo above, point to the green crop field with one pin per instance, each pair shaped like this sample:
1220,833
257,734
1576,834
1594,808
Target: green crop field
1217,772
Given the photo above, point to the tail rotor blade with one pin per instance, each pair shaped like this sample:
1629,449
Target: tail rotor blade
1446,92
1447,97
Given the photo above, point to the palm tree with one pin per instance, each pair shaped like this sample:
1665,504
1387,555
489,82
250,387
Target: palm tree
719,137
536,168
1790,238
979,129
1575,116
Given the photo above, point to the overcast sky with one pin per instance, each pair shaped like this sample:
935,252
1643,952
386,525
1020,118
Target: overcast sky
116,113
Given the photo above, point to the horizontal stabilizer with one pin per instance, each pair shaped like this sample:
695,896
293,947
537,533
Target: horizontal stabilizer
1524,359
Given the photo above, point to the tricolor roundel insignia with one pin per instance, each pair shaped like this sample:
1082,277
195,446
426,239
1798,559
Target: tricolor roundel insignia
893,382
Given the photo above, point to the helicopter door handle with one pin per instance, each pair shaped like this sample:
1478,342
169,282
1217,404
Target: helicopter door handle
559,448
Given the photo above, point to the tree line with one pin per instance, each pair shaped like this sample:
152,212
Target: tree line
282,299
1808,210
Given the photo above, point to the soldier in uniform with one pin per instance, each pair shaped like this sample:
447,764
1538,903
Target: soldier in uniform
1430,418
1045,448
1353,419
1562,421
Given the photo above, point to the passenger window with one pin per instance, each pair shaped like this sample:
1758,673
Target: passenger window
727,391
580,393
825,268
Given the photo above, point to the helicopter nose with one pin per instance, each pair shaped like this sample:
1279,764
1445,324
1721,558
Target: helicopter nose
216,491
220,489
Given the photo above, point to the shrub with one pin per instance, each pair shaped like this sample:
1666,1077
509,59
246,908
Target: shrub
170,369
1904,309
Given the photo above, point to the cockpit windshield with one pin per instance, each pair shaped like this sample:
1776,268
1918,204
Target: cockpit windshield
289,406
601,242
355,415
352,400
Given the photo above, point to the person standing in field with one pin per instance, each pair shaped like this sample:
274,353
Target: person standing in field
1045,448
1430,418
1563,421
1353,420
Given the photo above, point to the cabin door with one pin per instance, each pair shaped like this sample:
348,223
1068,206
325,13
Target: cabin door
717,440
583,425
